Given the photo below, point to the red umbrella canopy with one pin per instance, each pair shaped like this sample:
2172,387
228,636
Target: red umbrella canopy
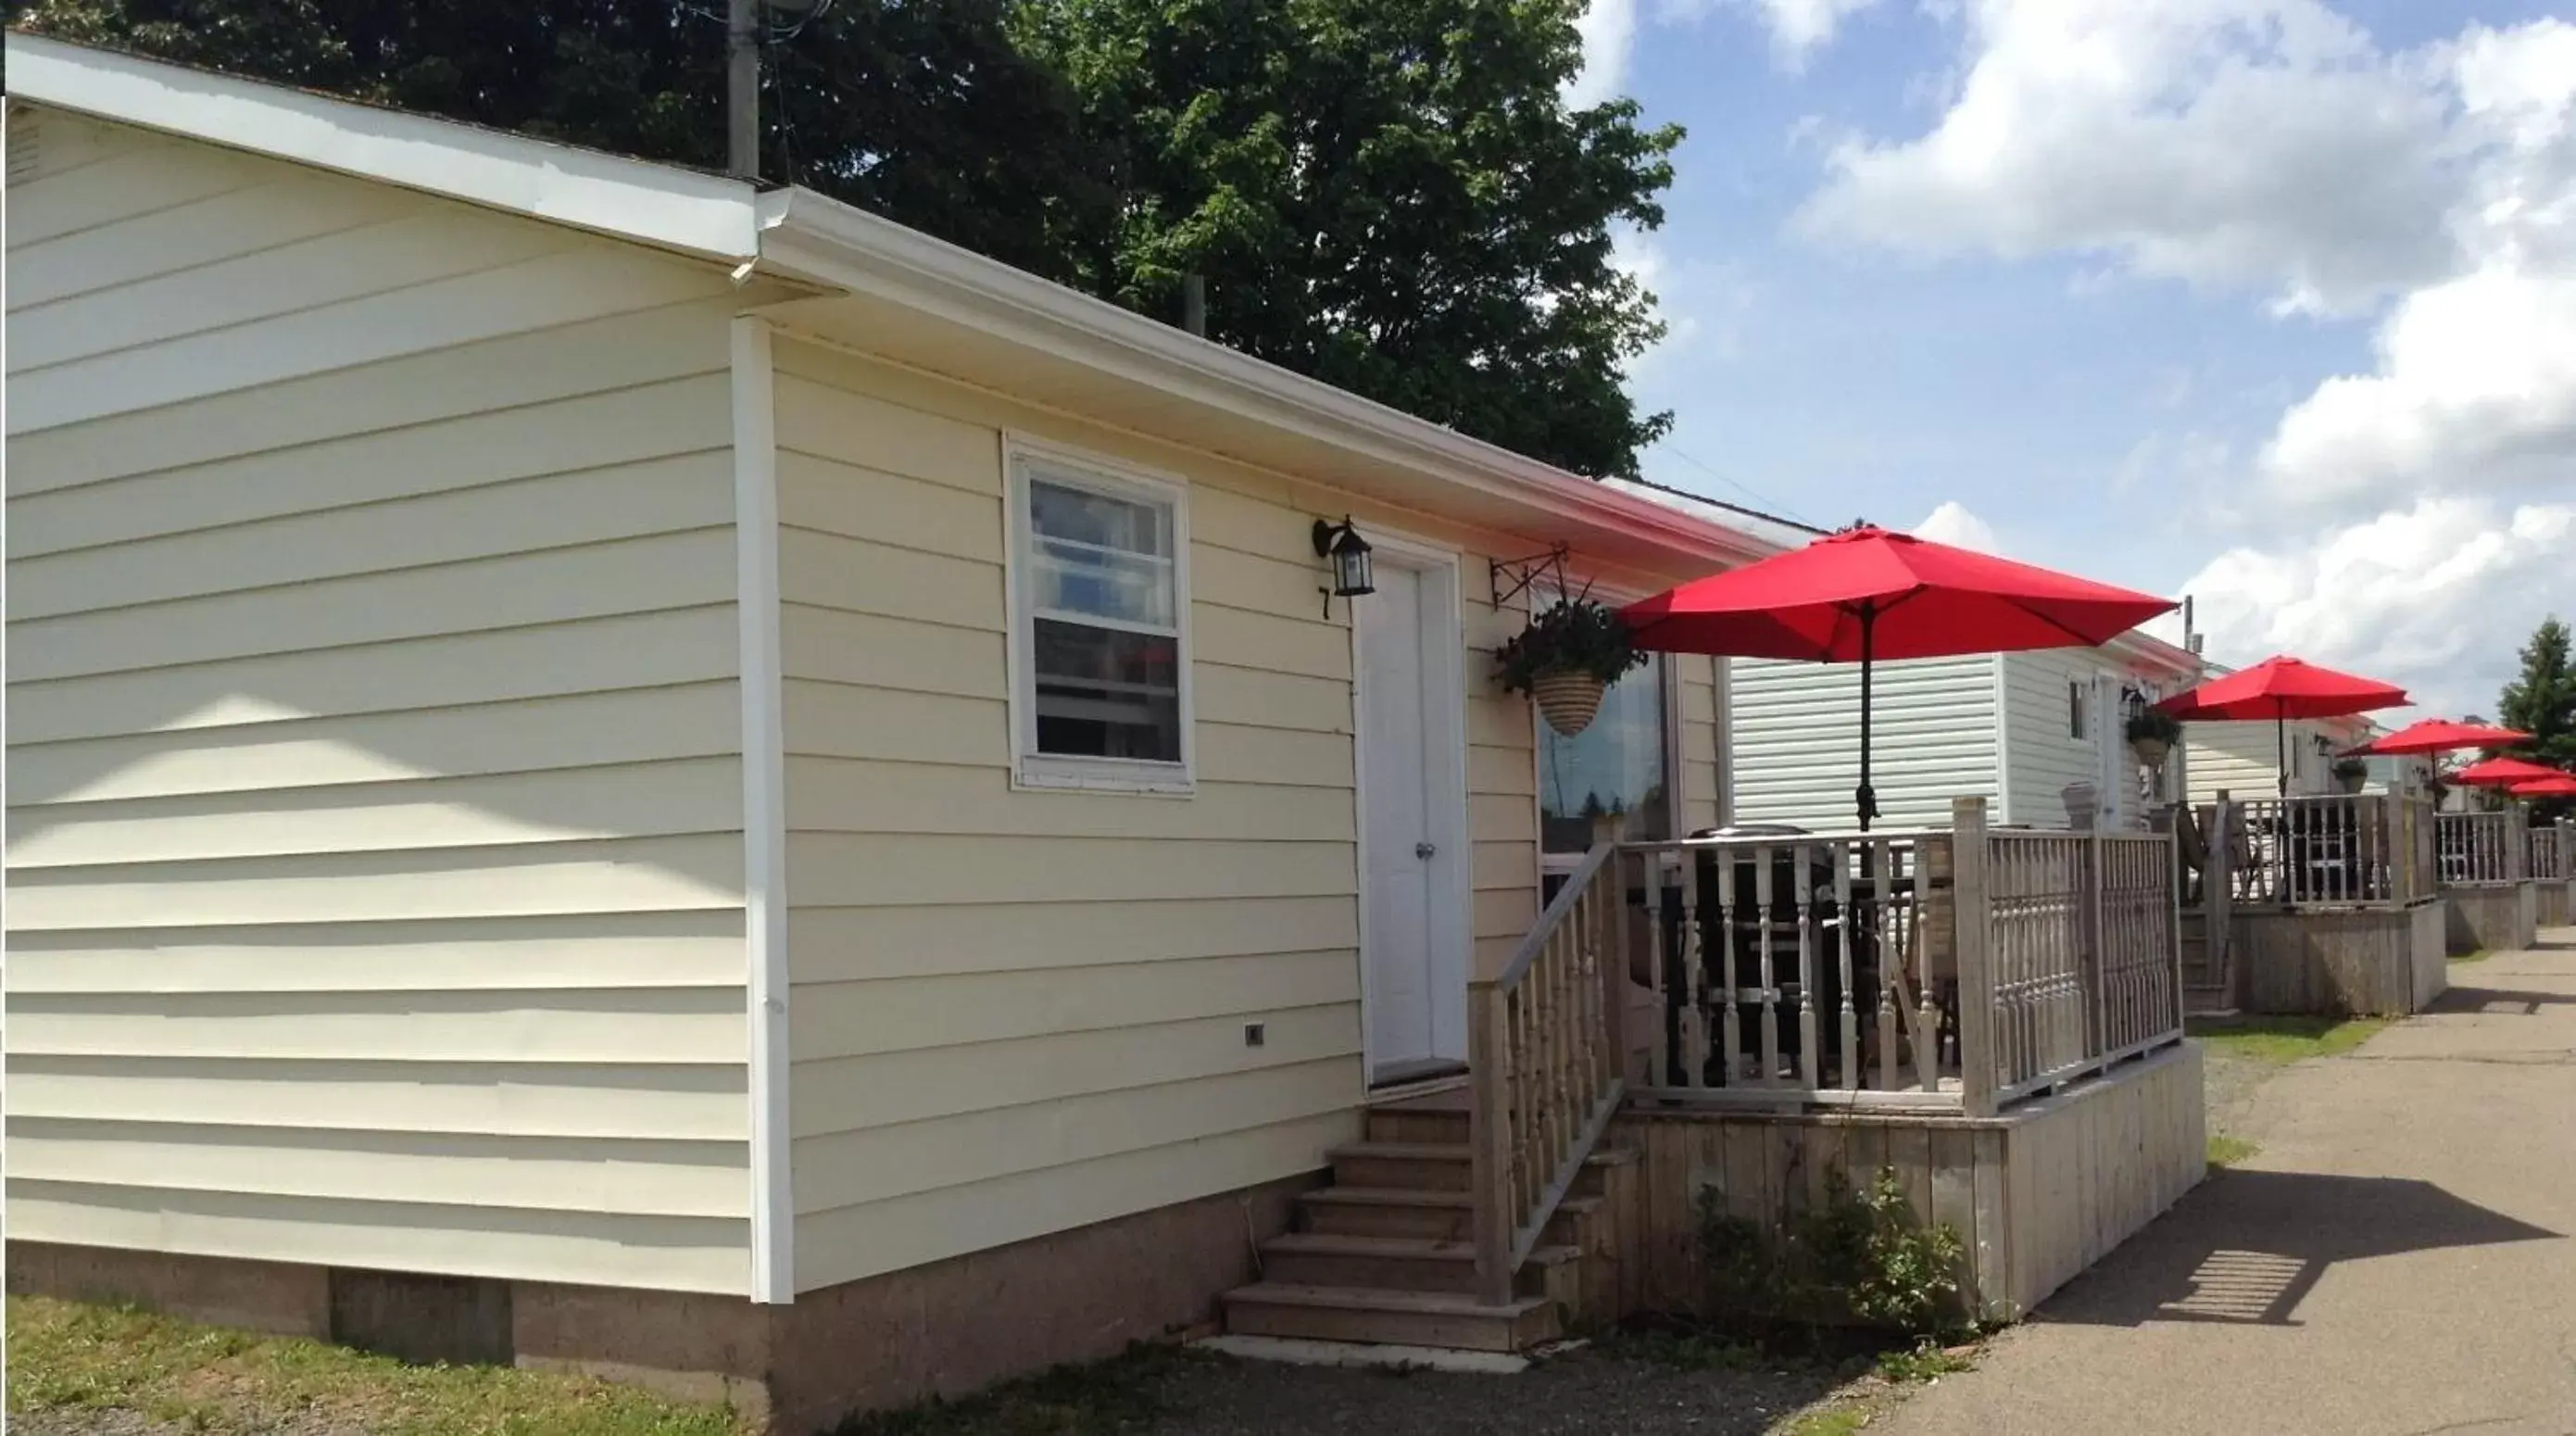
1915,598
2562,785
2283,687
2441,735
2505,773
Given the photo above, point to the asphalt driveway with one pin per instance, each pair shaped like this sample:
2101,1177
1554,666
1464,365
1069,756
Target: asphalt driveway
2399,1257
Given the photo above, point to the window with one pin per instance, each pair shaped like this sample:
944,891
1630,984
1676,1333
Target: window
2075,710
1100,662
1614,772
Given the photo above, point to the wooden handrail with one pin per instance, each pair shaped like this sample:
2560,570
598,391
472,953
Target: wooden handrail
1545,1067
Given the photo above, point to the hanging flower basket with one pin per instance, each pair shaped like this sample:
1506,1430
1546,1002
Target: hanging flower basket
1566,658
1568,701
2152,734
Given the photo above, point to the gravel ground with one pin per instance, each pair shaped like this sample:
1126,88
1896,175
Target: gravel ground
1582,1391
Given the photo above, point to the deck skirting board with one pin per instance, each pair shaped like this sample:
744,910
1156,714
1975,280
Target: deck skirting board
2037,1195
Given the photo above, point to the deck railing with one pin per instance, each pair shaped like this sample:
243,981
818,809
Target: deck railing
2083,952
1959,968
2330,850
1543,1052
2553,851
2476,849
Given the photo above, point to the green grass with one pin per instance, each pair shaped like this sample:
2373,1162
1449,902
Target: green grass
2284,1040
2227,1151
72,1356
1923,1363
1832,1421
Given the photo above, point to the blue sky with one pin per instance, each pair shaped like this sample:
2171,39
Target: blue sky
2090,271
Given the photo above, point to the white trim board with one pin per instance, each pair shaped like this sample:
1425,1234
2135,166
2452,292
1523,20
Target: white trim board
764,813
609,194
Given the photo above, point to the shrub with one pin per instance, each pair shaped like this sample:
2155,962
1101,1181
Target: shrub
1860,1257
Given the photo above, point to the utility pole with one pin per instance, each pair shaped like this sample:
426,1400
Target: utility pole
742,88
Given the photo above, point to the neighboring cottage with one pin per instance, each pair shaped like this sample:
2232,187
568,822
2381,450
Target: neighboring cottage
2016,728
609,768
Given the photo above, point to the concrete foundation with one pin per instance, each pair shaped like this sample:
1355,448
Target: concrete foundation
939,1330
2341,962
2493,917
2554,902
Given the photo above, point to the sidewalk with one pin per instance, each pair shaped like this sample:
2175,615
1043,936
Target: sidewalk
2400,1256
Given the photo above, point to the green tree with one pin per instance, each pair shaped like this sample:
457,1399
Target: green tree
2541,701
1389,195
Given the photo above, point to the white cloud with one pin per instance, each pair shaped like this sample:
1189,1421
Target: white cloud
1954,524
2475,381
1609,31
2274,146
2437,597
2264,143
1799,28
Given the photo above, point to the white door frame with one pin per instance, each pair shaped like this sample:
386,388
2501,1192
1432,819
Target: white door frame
1444,721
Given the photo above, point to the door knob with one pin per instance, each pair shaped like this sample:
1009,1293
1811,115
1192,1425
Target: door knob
1424,851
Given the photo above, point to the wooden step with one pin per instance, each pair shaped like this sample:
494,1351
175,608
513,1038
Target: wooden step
1399,1124
1435,1216
1413,1166
1396,1318
1401,1264
1442,1166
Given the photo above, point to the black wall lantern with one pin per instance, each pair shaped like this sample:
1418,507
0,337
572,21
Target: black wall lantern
1352,570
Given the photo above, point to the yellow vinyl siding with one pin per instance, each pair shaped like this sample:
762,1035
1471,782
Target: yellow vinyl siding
1024,1010
375,792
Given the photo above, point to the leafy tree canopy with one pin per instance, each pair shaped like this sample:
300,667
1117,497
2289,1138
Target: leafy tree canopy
2541,701
1389,195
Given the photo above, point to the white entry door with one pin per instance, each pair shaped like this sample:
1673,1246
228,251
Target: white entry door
1413,820
2119,779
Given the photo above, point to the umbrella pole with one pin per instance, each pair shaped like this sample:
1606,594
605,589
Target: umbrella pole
2281,740
1865,798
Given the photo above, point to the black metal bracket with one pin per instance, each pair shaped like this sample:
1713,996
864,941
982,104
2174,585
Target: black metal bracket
1526,571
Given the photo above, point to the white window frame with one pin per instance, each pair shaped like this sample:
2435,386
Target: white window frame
1062,772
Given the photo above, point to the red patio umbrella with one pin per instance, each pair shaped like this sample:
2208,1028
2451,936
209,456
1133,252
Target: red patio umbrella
2559,785
1865,593
2282,688
2505,773
2439,735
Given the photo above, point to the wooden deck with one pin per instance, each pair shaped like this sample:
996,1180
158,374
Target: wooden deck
2038,1193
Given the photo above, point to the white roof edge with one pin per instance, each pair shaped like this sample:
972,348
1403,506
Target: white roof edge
2139,643
812,237
635,199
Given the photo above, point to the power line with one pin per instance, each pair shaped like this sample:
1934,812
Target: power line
1749,512
1745,489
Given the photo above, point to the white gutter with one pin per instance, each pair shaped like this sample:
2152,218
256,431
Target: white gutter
656,204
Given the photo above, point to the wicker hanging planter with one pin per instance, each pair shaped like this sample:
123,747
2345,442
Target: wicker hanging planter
1568,701
2151,751
1571,652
